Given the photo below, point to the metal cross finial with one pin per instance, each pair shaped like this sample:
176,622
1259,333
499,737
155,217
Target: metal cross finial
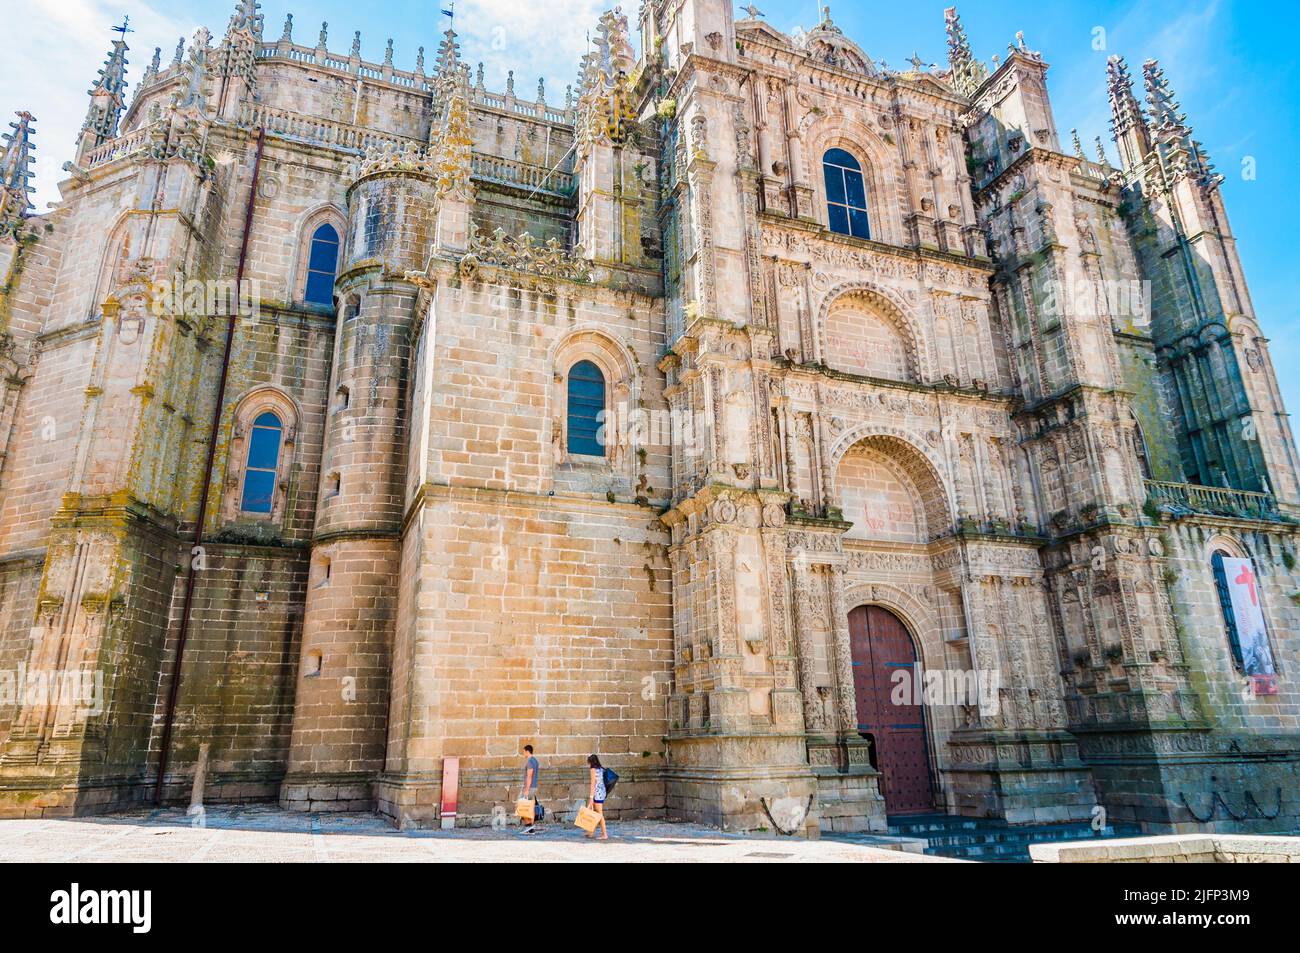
125,28
753,11
918,64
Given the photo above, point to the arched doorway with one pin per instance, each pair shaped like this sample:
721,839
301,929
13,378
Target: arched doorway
882,647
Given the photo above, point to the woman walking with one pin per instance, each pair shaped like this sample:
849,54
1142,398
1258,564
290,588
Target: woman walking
596,798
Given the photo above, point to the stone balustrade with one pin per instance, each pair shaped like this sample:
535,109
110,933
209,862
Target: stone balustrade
1214,500
135,141
511,172
315,131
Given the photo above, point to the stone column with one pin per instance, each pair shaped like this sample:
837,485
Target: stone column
803,623
847,707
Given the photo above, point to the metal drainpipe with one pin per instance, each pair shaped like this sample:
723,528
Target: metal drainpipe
174,690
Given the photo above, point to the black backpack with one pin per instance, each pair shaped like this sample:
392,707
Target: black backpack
611,779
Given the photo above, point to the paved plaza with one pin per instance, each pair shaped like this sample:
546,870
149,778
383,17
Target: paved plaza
268,835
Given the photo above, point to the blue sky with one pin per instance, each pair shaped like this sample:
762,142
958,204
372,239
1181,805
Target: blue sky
1231,62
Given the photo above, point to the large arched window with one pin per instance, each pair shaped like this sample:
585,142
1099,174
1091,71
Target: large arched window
586,410
846,194
263,464
322,262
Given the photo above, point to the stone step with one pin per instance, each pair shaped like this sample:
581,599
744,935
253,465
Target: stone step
992,840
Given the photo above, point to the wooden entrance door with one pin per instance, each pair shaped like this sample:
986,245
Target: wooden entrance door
882,646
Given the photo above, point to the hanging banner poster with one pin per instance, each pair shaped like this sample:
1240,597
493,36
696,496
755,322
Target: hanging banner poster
1248,614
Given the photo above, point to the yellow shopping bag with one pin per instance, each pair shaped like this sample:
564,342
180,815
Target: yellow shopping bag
524,808
587,819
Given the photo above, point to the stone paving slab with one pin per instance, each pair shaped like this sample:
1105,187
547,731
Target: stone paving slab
268,835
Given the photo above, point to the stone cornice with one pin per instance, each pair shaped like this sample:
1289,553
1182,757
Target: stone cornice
817,230
798,64
430,493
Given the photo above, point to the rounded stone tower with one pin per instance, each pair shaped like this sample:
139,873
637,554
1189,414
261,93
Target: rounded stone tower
342,698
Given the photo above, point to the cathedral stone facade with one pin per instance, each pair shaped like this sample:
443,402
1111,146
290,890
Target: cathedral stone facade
814,440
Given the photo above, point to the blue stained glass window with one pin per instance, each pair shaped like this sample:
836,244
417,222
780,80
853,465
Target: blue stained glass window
263,461
846,195
586,410
322,262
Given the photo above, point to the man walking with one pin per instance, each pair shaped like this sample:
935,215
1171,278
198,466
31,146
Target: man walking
529,791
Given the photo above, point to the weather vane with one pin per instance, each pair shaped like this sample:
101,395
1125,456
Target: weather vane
125,28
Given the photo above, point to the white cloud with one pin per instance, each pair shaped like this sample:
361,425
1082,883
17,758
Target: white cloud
544,38
56,48
52,57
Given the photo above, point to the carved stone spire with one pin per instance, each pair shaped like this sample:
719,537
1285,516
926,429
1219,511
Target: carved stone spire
247,19
106,97
604,97
286,36
968,73
449,53
1127,123
179,55
452,138
151,73
16,173
1180,153
1078,146
237,55
192,97
1168,122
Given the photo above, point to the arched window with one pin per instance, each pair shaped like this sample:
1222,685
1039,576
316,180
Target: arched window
586,410
846,194
322,262
263,462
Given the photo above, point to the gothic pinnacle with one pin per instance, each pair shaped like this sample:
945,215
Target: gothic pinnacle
1181,155
1128,122
152,72
1125,109
448,53
106,99
247,19
968,73
15,168
1167,118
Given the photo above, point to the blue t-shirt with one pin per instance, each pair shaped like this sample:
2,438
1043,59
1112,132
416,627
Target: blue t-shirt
530,763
